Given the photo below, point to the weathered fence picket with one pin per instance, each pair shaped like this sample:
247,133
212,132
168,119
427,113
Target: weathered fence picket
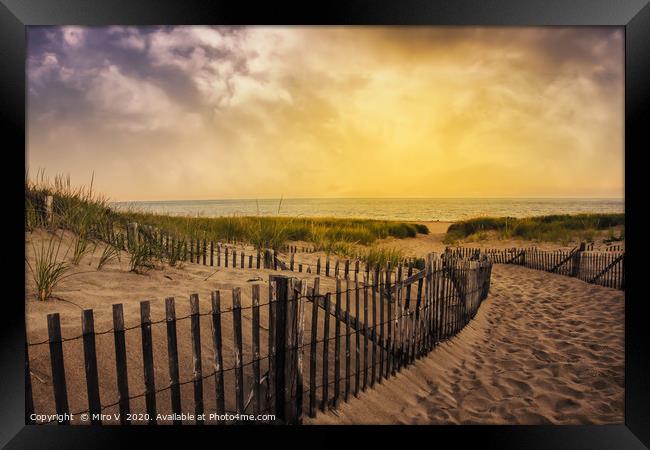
404,322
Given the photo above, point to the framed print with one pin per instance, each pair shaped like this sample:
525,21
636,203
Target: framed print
363,217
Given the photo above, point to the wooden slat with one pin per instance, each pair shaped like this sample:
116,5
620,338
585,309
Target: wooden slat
373,371
58,369
90,359
347,339
313,349
337,344
237,329
195,323
300,293
326,327
357,339
390,319
409,274
121,364
366,356
147,360
270,392
417,327
281,397
257,400
382,319
218,352
172,352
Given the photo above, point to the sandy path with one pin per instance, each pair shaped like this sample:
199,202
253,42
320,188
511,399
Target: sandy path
542,349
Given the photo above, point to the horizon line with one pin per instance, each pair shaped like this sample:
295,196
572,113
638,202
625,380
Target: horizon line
367,198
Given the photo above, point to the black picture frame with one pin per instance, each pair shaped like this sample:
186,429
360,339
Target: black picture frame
633,15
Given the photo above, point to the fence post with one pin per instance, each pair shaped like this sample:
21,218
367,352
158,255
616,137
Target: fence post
132,234
58,371
287,374
577,257
120,363
147,358
326,339
172,351
257,402
237,330
90,359
300,332
49,214
312,354
195,328
286,325
218,353
337,343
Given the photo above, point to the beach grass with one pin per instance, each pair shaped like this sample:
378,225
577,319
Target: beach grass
273,231
563,228
90,216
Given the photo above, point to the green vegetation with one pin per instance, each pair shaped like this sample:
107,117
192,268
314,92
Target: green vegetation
554,228
48,269
109,253
382,256
327,234
92,221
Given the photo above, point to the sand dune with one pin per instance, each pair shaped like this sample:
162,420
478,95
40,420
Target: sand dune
542,349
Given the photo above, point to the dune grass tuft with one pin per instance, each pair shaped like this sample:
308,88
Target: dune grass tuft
49,267
553,228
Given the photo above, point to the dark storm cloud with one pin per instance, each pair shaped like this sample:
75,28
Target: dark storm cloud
149,108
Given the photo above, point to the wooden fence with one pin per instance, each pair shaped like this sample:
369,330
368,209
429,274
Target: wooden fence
364,332
606,268
219,254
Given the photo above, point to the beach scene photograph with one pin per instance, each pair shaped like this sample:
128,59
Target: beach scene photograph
322,225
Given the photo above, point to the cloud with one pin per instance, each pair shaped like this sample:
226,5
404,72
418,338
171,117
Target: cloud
331,106
131,104
128,38
73,36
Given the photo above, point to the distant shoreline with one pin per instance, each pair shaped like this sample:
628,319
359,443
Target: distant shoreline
402,210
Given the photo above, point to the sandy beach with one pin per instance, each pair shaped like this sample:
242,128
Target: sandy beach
542,349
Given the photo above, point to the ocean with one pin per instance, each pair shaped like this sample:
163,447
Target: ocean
409,209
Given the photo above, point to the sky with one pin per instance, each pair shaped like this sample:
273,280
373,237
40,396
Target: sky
189,112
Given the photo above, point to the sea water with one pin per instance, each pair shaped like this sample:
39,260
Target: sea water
409,209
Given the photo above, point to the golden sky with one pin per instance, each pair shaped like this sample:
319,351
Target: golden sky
170,113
